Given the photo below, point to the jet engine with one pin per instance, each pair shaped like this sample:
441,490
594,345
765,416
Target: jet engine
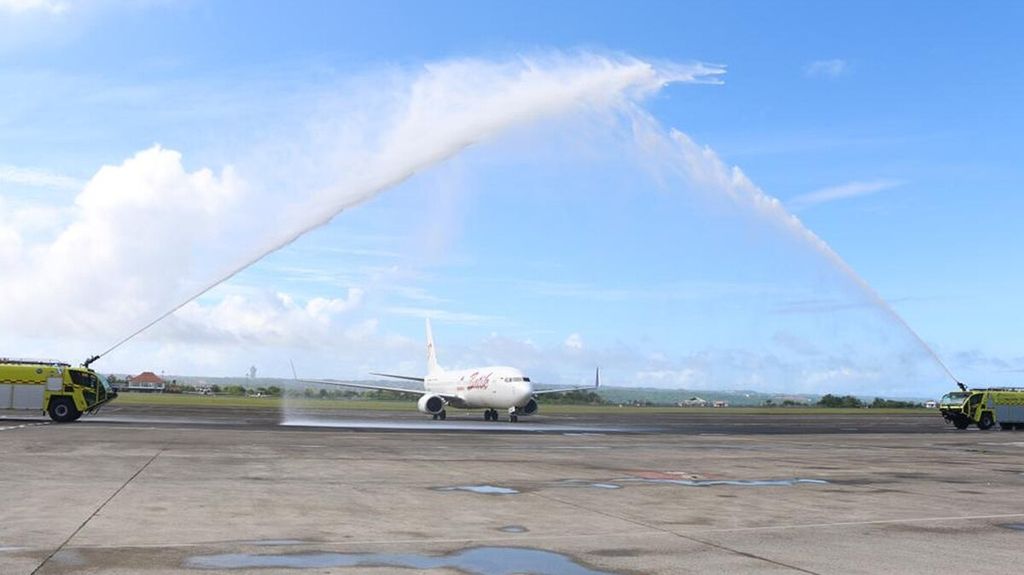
432,404
529,409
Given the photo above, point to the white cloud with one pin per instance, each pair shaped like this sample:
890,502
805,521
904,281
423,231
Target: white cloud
843,192
574,342
136,234
37,178
265,319
833,68
49,6
443,315
839,377
684,377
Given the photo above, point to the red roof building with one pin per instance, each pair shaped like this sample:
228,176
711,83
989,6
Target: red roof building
146,381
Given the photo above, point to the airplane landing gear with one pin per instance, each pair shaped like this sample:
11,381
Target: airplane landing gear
490,415
443,415
512,415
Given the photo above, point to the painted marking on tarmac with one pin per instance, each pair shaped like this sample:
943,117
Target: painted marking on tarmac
869,522
24,425
1011,443
718,482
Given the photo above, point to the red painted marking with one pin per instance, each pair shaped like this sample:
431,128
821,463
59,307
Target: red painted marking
477,381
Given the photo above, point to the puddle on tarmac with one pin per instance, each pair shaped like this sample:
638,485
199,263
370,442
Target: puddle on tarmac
1017,526
483,489
477,561
513,529
738,482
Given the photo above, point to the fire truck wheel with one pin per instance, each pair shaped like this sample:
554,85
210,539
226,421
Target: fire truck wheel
986,421
63,410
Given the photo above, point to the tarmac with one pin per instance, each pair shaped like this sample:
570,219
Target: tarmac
171,490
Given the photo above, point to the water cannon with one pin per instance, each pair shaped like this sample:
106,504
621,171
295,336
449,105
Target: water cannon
86,363
961,385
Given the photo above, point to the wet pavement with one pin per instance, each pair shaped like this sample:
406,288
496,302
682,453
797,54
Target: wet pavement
156,491
478,561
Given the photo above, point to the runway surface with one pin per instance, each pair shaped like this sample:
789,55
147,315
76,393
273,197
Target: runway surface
629,420
167,490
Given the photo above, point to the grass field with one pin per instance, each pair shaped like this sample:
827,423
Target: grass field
181,400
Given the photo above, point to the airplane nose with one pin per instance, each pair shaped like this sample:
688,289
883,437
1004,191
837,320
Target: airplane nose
524,391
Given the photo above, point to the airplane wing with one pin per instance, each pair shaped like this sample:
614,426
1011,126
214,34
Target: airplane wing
366,386
452,399
597,383
448,398
407,377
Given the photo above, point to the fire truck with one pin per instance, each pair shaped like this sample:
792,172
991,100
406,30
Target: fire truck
58,389
984,408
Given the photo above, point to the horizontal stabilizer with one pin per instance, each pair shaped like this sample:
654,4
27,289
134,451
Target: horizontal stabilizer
597,384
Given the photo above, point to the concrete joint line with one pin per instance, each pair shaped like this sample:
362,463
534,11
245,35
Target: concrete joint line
98,509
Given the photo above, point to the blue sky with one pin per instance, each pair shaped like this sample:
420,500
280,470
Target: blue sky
890,131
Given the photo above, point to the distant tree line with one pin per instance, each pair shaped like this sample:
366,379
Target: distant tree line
785,403
578,397
830,400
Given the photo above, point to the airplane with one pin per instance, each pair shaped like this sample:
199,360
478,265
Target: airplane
488,388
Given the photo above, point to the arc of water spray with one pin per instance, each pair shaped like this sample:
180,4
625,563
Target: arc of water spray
702,165
535,92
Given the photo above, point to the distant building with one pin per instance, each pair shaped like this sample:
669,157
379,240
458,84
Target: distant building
720,403
146,381
693,402
930,404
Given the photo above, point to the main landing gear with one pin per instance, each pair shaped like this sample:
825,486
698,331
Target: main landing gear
443,415
492,415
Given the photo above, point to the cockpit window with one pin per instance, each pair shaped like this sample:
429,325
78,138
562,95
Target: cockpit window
82,378
954,397
526,379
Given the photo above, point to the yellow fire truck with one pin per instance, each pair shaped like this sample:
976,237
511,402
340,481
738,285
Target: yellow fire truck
984,408
62,391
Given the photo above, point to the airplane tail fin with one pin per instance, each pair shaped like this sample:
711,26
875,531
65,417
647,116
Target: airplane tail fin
597,377
432,367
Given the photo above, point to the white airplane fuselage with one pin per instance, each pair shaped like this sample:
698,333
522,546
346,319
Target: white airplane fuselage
495,387
488,388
